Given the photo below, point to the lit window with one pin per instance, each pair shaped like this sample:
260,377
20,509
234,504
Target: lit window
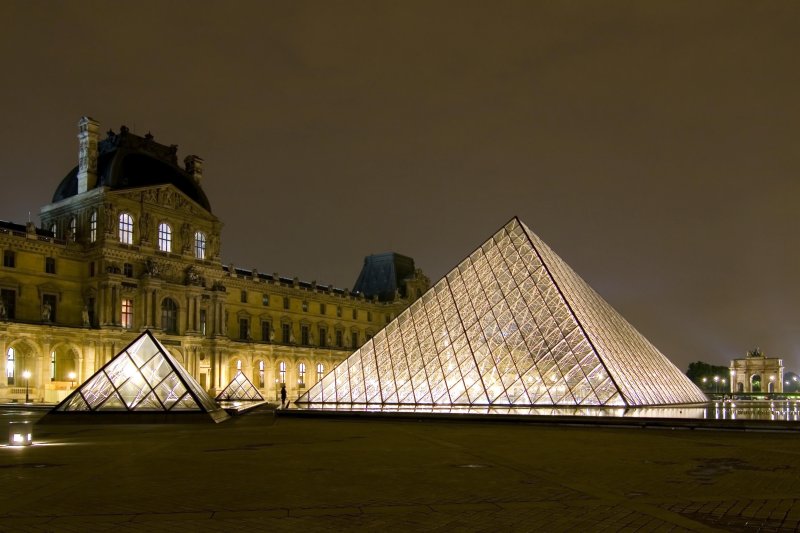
10,366
320,371
93,226
53,365
199,245
164,237
301,374
73,228
127,313
282,371
239,364
169,316
125,228
261,374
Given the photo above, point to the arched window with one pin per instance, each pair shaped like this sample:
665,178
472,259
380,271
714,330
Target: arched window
93,226
320,371
53,365
73,228
164,237
10,366
260,379
199,245
282,371
125,228
301,374
169,316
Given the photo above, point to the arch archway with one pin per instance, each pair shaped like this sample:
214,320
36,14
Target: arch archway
755,383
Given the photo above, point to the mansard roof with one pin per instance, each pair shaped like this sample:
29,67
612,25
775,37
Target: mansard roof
126,161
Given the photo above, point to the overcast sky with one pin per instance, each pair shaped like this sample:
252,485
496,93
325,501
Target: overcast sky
653,145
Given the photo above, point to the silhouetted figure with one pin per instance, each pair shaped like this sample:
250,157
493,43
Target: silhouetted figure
283,394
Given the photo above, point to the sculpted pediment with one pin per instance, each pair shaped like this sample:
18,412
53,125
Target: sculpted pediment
165,196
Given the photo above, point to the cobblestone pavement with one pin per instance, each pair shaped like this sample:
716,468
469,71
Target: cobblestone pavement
257,472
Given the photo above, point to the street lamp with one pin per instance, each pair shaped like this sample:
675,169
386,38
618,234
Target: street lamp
716,383
71,377
704,383
27,376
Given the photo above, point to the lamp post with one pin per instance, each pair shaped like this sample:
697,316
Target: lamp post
704,383
27,376
716,383
71,377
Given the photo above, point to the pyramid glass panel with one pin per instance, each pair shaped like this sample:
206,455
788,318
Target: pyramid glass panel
513,325
142,377
240,389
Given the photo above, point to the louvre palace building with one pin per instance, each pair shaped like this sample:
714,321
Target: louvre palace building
129,243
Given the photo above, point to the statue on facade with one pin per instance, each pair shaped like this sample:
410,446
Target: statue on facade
186,230
192,276
46,312
85,316
152,268
146,228
291,338
271,335
3,312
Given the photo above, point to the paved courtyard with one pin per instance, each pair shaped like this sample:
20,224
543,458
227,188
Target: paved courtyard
260,472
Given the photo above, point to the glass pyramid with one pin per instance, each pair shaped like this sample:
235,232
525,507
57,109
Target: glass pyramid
511,325
240,389
143,377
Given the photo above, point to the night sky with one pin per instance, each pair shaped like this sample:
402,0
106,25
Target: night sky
653,145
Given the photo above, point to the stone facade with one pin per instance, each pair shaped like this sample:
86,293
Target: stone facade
118,255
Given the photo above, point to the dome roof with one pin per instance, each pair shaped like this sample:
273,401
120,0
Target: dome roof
127,161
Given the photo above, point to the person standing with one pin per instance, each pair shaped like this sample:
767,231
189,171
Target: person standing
283,394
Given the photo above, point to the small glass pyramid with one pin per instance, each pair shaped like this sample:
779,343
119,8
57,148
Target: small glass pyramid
240,389
511,325
143,377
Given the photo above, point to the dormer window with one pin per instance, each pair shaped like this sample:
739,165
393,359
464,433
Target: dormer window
164,237
199,245
125,228
93,226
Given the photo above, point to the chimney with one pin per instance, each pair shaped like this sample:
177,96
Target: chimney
88,129
194,166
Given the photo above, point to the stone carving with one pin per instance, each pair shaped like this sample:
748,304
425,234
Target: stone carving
46,312
193,277
3,311
218,286
213,245
113,268
145,227
109,212
186,231
152,268
85,316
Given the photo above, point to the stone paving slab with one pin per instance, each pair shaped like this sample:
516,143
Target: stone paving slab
287,474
